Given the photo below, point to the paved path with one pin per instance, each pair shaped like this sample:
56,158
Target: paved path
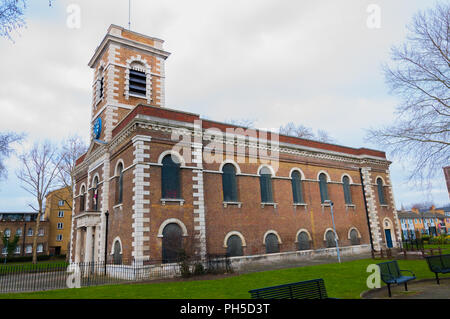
419,289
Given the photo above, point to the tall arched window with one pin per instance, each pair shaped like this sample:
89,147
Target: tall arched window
170,178
234,246
347,191
297,187
323,187
330,239
117,253
119,184
95,194
82,197
354,237
229,184
272,245
303,241
381,191
172,243
265,180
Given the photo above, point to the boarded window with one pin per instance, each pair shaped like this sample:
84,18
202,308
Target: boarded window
381,191
266,185
354,237
119,184
272,245
117,255
303,241
170,178
347,192
330,239
323,187
172,244
229,183
234,246
297,187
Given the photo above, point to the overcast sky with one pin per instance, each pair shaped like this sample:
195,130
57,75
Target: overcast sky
316,63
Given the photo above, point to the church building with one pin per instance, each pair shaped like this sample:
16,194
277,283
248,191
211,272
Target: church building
157,182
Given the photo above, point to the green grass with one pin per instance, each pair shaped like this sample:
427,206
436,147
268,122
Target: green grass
346,280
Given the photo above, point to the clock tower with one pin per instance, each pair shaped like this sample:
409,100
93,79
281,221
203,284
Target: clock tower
128,70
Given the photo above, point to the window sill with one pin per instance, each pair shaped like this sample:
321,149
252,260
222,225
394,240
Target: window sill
137,96
384,205
350,205
172,200
269,204
300,204
118,207
325,205
225,204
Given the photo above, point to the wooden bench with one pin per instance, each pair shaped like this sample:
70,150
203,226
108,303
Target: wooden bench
439,264
311,289
391,274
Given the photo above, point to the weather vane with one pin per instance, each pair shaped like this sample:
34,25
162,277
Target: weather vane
129,14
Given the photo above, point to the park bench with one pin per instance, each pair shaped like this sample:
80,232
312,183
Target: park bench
439,264
311,289
391,274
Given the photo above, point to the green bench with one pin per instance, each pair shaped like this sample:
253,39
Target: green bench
439,264
311,289
391,274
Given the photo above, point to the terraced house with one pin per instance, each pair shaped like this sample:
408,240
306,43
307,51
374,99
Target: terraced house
156,181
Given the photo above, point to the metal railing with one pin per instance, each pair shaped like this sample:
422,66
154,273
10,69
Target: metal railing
49,276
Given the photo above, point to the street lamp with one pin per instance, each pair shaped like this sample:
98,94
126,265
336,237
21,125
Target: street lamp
334,229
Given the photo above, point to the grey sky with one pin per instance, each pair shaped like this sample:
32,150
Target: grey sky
313,62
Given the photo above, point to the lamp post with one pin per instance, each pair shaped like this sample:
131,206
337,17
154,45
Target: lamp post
334,229
106,237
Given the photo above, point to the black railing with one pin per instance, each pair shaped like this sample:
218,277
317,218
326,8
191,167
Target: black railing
413,244
49,276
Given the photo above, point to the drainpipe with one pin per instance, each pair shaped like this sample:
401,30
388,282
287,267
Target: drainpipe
365,206
106,238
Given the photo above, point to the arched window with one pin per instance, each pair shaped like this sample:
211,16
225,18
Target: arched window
172,244
330,239
119,184
347,191
297,187
95,194
7,232
354,237
303,241
381,191
82,197
170,178
271,243
265,180
138,80
323,187
40,248
229,183
234,246
117,253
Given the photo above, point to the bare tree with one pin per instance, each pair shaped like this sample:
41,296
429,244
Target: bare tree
245,122
419,75
38,173
11,16
6,141
302,131
71,149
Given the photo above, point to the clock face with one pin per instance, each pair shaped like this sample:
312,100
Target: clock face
97,128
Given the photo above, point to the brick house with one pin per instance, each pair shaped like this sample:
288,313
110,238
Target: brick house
170,180
23,224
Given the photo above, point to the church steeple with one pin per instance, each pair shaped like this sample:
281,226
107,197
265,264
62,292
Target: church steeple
128,70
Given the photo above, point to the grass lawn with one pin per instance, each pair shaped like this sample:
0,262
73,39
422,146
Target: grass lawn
346,280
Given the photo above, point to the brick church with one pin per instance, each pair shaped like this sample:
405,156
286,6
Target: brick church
156,182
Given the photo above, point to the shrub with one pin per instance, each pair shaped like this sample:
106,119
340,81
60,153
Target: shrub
199,269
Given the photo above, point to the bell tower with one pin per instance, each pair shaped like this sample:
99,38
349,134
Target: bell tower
128,70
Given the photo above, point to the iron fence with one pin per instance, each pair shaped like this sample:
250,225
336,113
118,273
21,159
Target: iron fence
413,244
50,276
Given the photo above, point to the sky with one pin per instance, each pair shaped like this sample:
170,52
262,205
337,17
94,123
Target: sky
315,63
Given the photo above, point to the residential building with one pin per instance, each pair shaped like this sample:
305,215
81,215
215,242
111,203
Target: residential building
23,224
58,213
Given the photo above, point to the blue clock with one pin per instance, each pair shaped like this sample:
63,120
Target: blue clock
97,130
